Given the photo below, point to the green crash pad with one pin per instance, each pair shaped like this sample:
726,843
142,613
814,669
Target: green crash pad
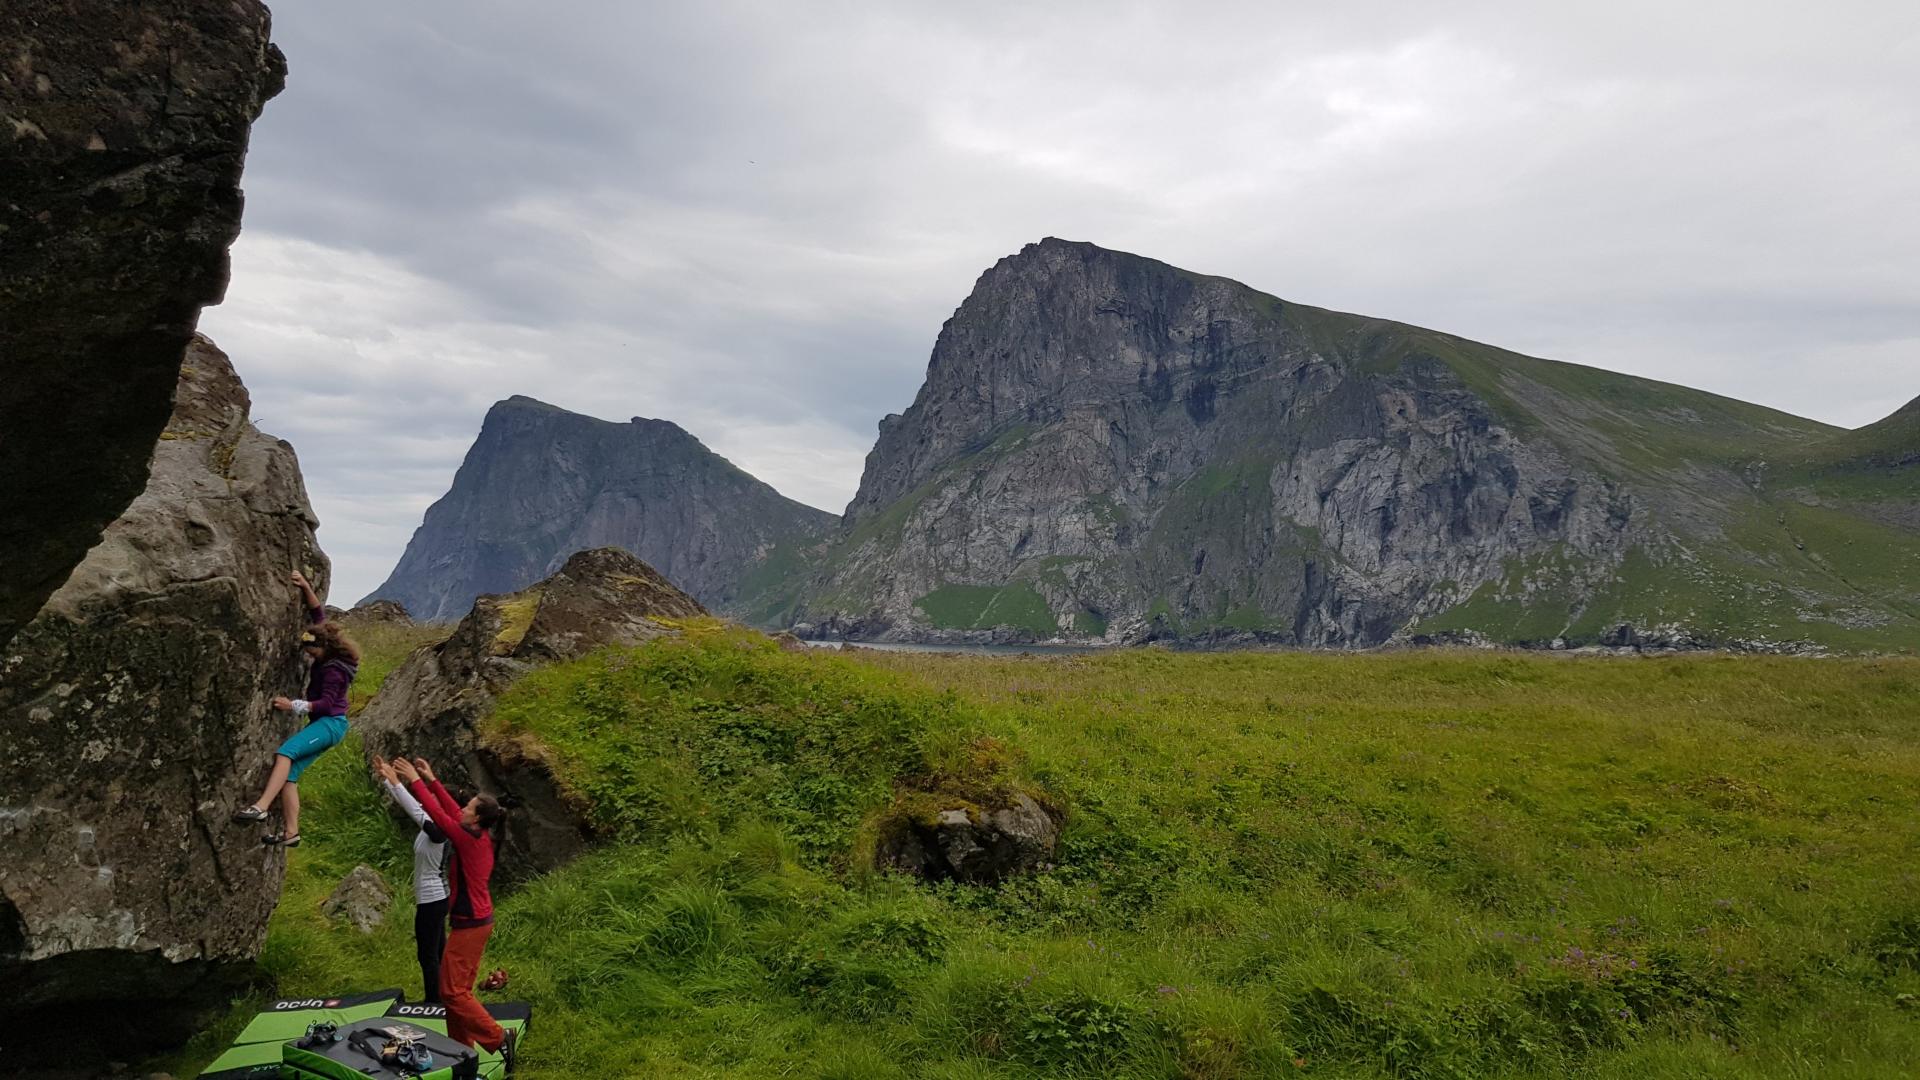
257,1051
255,1054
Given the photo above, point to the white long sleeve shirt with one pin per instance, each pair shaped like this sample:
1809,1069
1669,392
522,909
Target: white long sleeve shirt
429,855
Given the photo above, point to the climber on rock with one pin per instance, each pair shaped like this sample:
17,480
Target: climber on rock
333,660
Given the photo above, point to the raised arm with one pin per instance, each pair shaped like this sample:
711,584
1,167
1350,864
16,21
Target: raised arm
447,803
438,789
447,823
407,803
316,611
389,778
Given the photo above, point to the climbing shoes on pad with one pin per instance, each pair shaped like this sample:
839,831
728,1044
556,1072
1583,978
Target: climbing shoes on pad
378,1049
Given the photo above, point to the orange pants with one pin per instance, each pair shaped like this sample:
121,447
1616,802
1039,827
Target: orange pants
467,1020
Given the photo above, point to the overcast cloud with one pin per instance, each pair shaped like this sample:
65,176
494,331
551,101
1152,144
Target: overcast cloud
751,219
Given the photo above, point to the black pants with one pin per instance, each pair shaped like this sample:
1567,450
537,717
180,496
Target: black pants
429,941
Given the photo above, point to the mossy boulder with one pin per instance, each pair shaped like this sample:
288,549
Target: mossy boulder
975,821
965,842
435,703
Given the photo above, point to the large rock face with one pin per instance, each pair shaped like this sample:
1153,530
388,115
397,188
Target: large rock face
1109,447
434,703
134,718
541,483
122,131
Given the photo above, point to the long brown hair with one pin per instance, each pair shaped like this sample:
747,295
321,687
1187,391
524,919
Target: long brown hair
335,643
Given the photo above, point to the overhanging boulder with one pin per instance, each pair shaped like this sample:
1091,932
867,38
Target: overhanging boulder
123,127
134,717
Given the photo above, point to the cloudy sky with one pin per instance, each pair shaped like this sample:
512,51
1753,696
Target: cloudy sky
751,219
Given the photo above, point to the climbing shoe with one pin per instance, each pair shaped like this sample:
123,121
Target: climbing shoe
248,814
281,840
510,1051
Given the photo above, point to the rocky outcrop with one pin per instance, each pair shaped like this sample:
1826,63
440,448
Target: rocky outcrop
541,483
361,900
134,718
1110,448
379,611
122,132
434,703
975,845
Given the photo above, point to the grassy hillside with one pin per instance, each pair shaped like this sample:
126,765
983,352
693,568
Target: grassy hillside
1393,865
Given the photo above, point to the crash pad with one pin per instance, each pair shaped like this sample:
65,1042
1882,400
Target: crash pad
257,1052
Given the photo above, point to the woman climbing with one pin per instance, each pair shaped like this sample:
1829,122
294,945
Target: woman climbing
333,660
469,830
429,881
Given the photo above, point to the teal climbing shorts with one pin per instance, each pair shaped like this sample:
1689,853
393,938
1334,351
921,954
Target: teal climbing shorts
303,747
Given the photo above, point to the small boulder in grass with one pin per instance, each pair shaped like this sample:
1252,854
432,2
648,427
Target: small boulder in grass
977,845
972,821
362,898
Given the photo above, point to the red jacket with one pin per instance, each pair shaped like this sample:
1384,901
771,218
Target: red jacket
472,858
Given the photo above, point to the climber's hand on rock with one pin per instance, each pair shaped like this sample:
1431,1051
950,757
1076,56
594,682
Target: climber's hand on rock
426,770
299,579
283,704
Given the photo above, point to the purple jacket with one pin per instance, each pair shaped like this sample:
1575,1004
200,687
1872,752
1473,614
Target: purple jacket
327,688
327,683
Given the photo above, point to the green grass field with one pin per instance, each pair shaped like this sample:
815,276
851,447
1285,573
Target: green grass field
1421,864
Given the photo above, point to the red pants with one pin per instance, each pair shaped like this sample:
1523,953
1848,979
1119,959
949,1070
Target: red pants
467,1020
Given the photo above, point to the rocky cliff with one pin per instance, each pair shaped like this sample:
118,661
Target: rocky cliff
1108,447
124,127
435,704
541,483
134,718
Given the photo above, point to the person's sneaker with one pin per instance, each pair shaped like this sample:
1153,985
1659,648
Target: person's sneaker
249,814
509,1047
281,840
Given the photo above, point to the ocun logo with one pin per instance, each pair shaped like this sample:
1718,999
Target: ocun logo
307,1003
420,1010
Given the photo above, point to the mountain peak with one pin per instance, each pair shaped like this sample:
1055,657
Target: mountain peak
1109,445
541,482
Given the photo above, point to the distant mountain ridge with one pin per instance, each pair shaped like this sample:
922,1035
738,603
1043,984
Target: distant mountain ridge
1110,448
541,483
